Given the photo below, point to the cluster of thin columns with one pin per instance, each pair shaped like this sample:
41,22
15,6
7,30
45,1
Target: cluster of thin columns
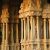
31,34
5,35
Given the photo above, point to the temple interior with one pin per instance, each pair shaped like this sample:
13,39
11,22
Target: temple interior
24,24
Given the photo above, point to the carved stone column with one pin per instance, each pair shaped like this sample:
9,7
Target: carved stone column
28,26
12,39
31,19
24,34
21,30
45,48
49,28
49,32
28,32
38,36
4,17
6,41
34,35
24,29
3,36
17,36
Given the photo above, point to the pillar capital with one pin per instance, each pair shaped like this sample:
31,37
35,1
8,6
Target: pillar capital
24,19
44,20
37,17
5,14
49,19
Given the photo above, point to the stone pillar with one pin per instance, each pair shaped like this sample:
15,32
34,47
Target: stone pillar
49,28
28,27
34,35
45,48
12,40
31,27
6,41
21,30
31,19
28,31
17,38
3,36
24,29
21,33
38,36
4,16
49,33
24,34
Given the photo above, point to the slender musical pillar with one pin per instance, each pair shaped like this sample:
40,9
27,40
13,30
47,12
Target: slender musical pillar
3,36
28,32
34,35
21,30
31,27
24,30
4,16
22,38
12,40
45,48
38,38
17,38
6,41
24,33
49,32
31,19
28,27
